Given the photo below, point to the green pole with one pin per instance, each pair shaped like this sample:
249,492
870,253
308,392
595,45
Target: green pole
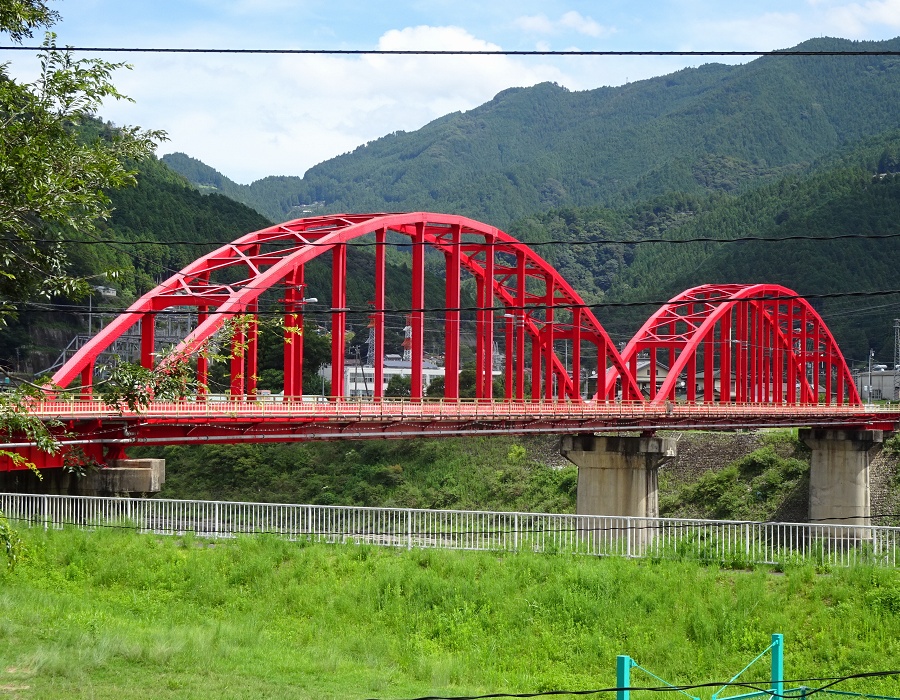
777,664
623,677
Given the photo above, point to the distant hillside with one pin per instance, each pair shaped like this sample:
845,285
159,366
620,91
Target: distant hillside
265,199
715,128
856,193
159,227
163,207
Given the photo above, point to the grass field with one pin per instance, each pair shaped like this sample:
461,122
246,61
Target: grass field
113,614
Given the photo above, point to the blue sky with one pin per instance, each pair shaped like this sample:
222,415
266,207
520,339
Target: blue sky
252,116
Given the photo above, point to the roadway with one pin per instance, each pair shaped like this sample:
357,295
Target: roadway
87,422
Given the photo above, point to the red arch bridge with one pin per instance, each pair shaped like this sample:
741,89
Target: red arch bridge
716,356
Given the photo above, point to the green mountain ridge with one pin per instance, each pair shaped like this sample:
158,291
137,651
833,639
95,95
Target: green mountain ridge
711,128
851,192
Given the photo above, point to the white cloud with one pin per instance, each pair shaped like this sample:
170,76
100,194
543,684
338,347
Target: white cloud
271,115
854,20
874,19
765,32
583,25
536,24
571,21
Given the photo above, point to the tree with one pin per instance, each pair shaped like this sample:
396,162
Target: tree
436,389
56,160
19,19
398,387
56,163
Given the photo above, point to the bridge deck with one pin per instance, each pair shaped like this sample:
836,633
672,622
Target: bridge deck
104,432
396,418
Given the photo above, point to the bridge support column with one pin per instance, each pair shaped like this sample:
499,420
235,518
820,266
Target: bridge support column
839,474
617,475
123,477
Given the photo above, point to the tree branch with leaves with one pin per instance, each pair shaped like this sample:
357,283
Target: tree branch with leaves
57,163
56,160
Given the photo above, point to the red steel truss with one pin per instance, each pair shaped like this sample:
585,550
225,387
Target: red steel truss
757,343
523,303
742,355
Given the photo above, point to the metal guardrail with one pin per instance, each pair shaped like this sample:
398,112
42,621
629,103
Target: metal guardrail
441,408
729,542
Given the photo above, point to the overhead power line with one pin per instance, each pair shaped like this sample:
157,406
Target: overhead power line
487,244
449,52
311,310
761,687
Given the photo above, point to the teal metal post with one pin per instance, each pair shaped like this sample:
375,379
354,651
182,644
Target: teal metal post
777,665
623,677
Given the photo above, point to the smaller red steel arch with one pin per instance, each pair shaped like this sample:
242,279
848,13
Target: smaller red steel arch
537,305
756,343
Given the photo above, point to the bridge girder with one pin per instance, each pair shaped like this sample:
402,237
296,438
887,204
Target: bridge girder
776,360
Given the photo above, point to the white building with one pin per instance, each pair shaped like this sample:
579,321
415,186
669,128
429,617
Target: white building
878,384
359,380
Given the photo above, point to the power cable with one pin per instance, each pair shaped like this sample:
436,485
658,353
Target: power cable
117,245
309,310
486,244
762,687
447,52
759,686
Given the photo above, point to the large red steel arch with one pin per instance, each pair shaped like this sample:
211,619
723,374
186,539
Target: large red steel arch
760,343
516,290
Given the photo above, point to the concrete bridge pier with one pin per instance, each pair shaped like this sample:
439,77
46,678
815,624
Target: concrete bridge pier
839,475
122,477
618,475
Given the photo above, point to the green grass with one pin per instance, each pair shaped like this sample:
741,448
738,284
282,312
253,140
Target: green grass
474,473
758,486
113,614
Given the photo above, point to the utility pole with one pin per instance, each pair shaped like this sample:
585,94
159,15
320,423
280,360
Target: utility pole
896,366
871,355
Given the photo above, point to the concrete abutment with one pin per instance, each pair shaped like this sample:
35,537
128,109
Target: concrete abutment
123,477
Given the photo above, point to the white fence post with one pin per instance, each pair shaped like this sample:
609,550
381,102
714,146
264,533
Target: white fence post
408,528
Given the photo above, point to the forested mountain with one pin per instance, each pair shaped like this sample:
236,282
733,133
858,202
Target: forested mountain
163,208
853,194
156,229
708,129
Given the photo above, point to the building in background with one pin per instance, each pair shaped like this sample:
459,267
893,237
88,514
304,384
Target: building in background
359,379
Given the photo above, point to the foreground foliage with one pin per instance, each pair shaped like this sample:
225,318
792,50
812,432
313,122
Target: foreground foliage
53,174
56,165
499,473
762,485
112,614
